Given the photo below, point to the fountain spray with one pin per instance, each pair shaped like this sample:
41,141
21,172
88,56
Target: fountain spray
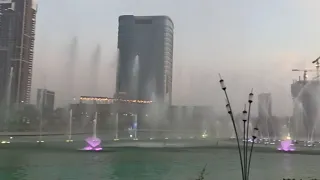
93,143
70,127
8,103
117,124
245,160
94,135
135,126
41,116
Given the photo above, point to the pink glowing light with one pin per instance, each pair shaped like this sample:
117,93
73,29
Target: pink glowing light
286,145
88,148
93,144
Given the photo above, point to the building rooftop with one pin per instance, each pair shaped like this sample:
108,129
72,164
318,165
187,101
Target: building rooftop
143,17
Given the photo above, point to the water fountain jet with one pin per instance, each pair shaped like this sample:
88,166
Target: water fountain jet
8,105
135,127
93,143
117,124
70,127
286,145
41,117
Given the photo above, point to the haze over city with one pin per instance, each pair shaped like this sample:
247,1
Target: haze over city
236,39
216,89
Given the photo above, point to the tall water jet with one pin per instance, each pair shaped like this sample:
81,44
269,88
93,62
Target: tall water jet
95,64
8,104
70,69
134,83
265,114
135,126
204,128
8,100
92,85
132,130
297,121
93,143
306,92
233,135
217,128
117,128
153,113
94,130
70,127
41,117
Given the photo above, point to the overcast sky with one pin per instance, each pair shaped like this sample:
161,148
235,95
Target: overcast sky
253,44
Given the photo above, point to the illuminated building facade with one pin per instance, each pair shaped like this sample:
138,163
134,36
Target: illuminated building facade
191,119
145,43
17,34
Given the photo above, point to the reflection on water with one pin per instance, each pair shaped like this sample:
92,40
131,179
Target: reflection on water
151,164
287,163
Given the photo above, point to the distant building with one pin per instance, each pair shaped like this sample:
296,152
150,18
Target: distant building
145,46
265,121
186,120
45,99
17,34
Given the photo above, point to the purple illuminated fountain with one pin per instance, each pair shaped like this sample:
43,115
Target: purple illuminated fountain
93,143
286,145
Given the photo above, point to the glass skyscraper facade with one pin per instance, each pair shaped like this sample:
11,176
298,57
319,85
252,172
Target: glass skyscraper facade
17,35
145,45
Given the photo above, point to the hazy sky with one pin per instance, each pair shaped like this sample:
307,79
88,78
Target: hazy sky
253,44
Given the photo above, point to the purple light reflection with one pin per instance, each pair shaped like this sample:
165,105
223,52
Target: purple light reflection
286,145
93,144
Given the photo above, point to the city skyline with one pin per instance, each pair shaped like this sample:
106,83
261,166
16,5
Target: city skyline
203,43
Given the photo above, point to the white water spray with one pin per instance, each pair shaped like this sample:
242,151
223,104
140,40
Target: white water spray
117,124
94,135
70,127
135,126
41,116
8,96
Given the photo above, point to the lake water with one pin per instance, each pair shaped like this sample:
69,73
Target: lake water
150,164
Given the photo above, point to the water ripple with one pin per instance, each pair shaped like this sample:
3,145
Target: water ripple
149,165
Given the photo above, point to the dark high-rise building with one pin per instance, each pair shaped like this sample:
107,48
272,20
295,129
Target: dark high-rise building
45,99
17,34
145,45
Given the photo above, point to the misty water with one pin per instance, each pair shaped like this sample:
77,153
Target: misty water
78,48
149,164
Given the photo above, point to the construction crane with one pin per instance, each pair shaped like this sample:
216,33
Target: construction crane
317,66
304,72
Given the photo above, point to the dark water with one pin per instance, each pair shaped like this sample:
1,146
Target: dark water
150,164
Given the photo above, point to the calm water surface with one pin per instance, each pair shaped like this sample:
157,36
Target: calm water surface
150,164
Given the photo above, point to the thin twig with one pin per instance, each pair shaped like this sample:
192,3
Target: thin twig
250,159
236,133
201,176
